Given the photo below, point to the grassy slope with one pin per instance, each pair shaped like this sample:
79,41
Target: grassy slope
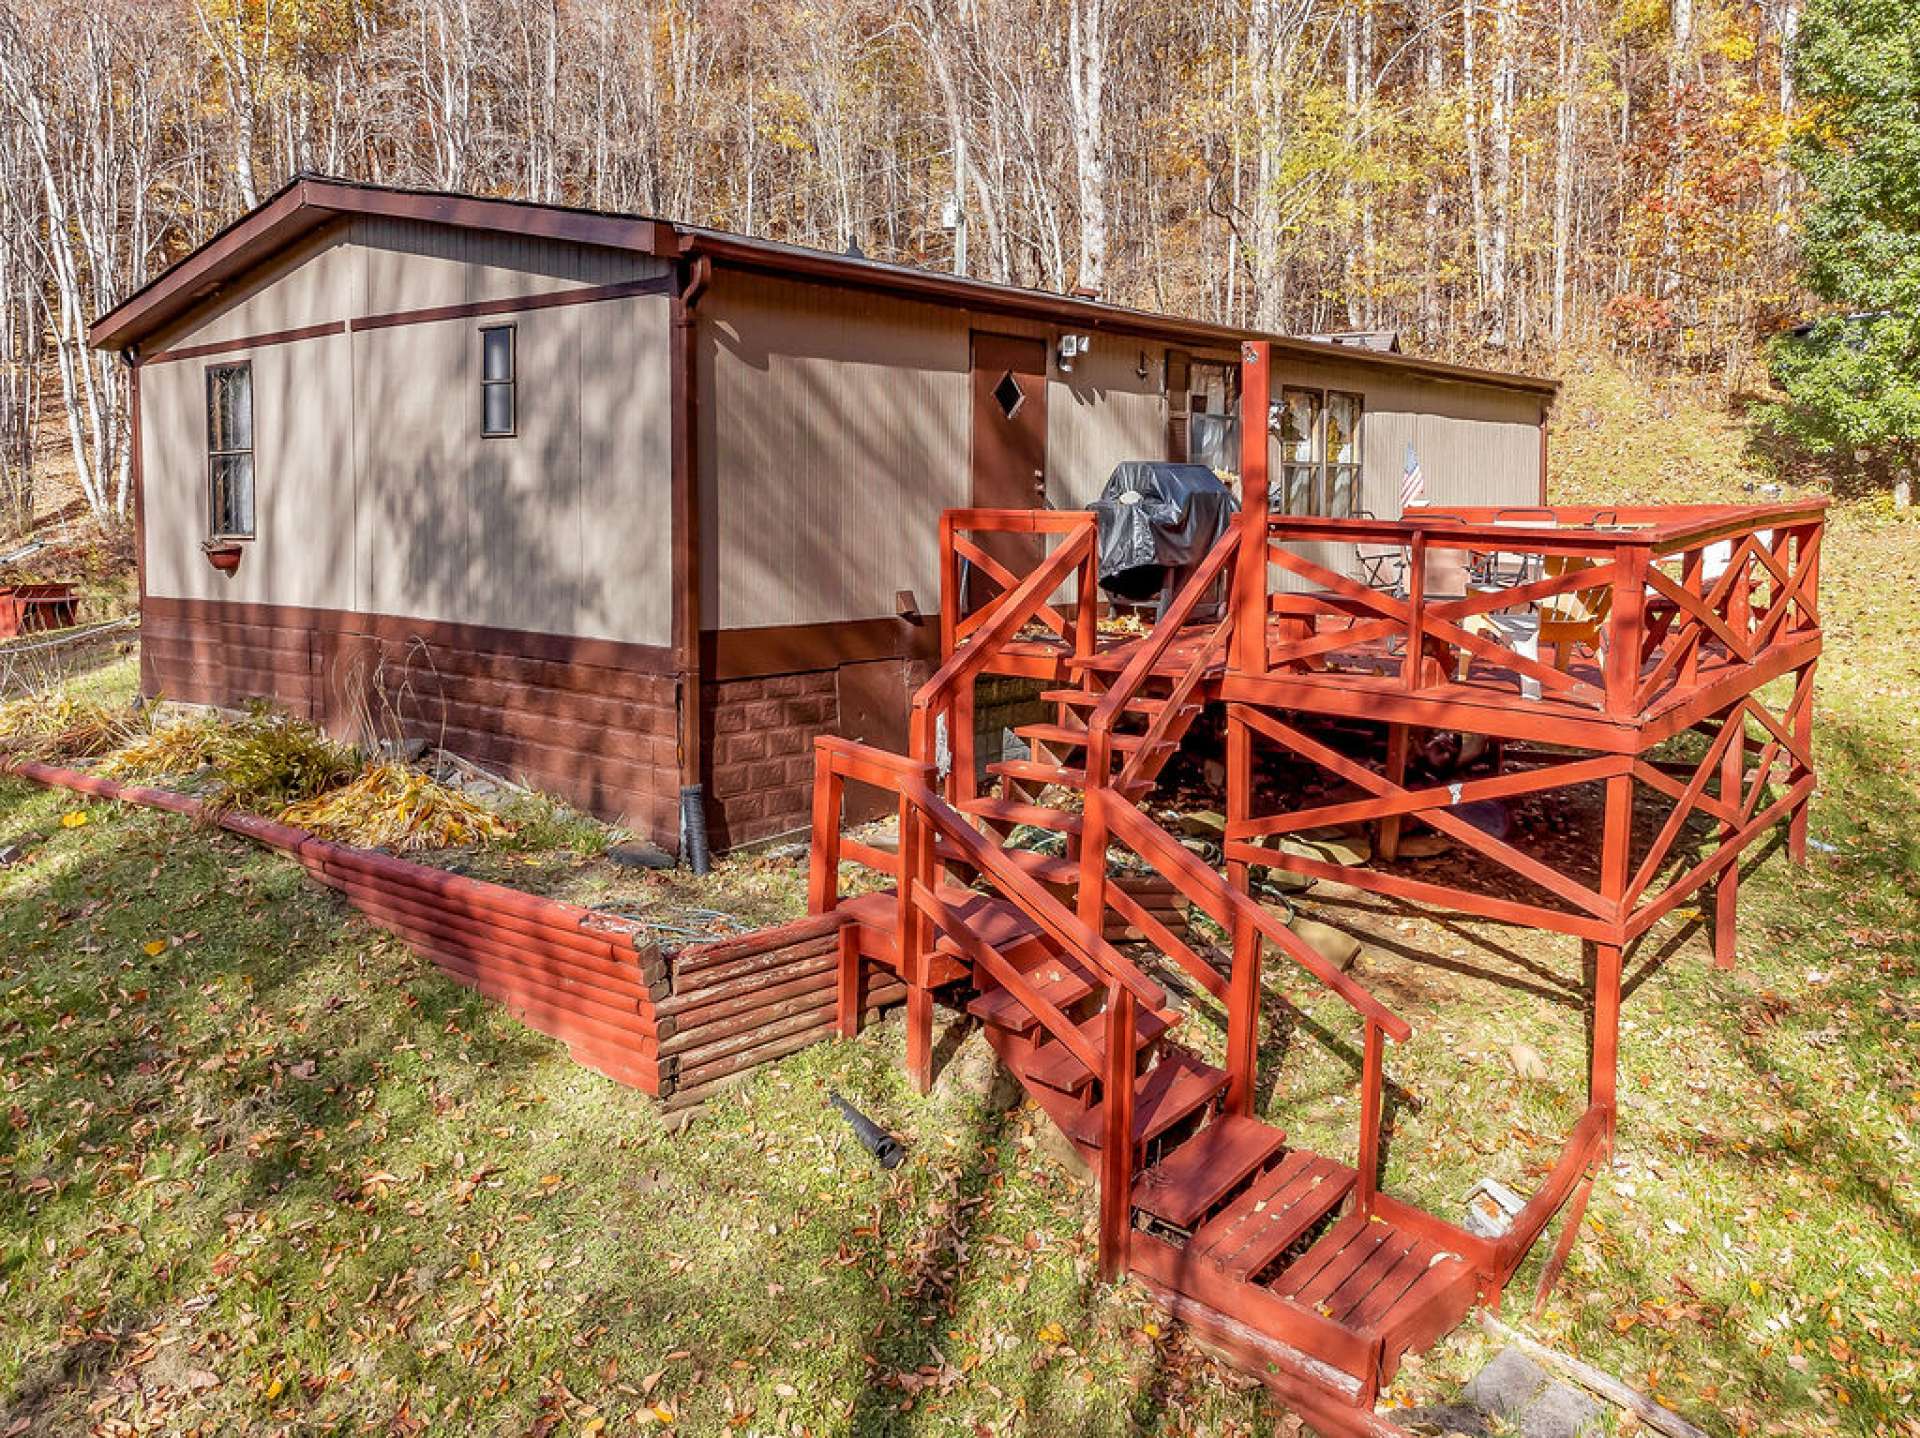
278,1176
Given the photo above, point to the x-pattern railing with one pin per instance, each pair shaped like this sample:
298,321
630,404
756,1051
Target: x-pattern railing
1666,617
965,560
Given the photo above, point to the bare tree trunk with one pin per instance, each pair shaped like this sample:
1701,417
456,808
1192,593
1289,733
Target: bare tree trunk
1086,94
226,37
1500,228
1566,115
1476,175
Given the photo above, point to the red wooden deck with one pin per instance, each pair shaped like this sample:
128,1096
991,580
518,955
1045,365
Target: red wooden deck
1577,641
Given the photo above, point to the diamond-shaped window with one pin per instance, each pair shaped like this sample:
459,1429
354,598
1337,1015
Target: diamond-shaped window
1008,395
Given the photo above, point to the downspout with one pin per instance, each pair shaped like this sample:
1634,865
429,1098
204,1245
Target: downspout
695,272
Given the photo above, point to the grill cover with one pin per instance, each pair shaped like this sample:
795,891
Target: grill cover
1156,521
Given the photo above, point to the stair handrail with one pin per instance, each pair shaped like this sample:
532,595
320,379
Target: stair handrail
1227,906
1577,1156
1060,922
941,693
1140,666
909,780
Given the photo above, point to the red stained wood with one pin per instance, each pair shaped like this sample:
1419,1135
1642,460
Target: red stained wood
1057,1067
1275,1212
1060,979
1009,812
1190,1182
1176,1088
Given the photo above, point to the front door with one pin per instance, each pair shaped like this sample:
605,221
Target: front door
1009,440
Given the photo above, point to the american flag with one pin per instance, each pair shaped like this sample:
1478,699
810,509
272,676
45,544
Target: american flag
1413,484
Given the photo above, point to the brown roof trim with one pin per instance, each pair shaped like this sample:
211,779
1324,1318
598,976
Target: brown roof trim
793,262
308,202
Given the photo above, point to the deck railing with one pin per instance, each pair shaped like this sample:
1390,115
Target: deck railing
990,548
1627,614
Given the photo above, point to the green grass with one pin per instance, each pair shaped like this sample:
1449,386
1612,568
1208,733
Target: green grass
278,1176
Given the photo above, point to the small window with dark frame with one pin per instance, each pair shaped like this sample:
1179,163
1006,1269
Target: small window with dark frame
498,382
230,451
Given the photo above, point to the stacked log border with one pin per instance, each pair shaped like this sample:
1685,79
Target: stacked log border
737,1003
581,977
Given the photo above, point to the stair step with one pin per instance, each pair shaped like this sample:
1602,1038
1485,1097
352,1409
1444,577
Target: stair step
1269,1218
994,920
1359,1275
1062,981
1184,1186
1011,811
1032,771
1047,868
1057,1067
1037,771
1175,1088
1088,699
1061,734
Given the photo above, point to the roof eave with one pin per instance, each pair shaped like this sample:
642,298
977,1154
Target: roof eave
305,204
791,262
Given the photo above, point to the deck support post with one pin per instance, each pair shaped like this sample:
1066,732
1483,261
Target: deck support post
1726,888
1248,654
848,995
1399,740
1803,736
1116,1144
916,943
1616,852
1243,994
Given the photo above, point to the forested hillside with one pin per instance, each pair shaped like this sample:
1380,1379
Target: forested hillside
1497,179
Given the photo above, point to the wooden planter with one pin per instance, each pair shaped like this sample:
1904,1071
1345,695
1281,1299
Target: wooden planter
24,607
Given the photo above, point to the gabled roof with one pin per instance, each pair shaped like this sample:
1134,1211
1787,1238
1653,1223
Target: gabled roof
308,202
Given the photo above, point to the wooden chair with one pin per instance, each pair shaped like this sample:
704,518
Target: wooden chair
1578,616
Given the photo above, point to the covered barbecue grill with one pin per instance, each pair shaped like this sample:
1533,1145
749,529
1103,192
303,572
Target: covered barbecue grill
1156,521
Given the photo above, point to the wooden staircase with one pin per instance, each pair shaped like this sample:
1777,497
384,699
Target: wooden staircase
1290,1262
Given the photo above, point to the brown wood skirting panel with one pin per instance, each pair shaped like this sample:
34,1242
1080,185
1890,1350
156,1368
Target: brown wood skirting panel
591,720
595,721
560,648
799,648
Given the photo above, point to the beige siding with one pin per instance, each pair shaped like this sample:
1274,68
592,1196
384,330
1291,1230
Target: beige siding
626,444
303,496
374,490
1477,445
411,264
1103,412
316,282
835,430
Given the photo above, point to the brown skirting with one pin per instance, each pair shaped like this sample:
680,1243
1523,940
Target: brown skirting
797,648
591,720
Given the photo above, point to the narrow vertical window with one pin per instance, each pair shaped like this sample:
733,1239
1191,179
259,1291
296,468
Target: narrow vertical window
230,451
1300,452
498,377
1343,455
